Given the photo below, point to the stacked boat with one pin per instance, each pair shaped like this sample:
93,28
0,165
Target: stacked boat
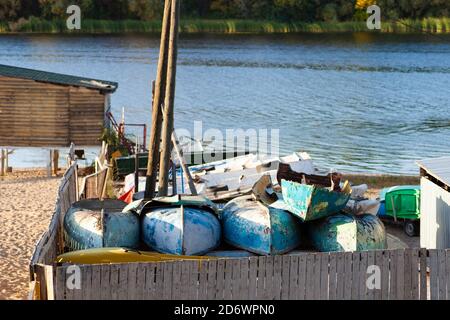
302,211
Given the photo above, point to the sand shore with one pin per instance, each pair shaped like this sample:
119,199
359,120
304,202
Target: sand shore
27,201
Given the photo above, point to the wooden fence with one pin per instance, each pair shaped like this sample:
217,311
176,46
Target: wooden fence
416,274
51,243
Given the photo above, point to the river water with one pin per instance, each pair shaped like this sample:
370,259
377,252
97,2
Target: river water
356,102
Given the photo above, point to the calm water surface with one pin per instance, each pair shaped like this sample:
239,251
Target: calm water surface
355,102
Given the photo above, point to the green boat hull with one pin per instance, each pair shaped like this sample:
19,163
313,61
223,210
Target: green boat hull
309,202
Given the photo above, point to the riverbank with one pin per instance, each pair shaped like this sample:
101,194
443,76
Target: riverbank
35,25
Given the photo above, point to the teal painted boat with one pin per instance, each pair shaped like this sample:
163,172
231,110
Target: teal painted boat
346,233
310,202
92,224
254,227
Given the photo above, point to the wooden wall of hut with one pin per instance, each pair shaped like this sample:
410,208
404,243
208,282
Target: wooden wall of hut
37,114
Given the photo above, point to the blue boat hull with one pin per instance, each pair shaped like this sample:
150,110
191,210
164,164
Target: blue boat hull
346,233
310,203
181,230
249,225
85,227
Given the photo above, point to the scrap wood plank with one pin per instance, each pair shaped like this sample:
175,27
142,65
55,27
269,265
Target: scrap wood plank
203,278
105,284
140,281
244,282
293,278
252,279
324,261
310,259
301,285
379,264
400,274
235,279
96,282
260,289
159,281
356,257
340,265
333,277
123,281
408,274
442,275
176,283
415,294
370,291
184,282
277,267
220,293
228,270
317,276
269,294
212,280
393,275
114,282
385,273
285,277
348,272
193,279
132,281
423,283
434,271
363,264
150,285
60,284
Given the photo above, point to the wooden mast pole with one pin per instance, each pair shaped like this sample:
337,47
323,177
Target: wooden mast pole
160,86
164,163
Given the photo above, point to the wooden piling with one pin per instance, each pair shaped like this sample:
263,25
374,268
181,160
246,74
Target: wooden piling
3,155
158,98
167,129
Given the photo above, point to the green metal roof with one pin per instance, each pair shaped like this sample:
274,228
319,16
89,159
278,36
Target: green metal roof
56,78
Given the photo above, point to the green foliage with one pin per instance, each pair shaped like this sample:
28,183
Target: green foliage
110,137
220,15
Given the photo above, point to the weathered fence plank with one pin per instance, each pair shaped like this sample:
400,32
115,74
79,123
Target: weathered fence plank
244,283
285,278
269,279
301,285
310,257
442,283
235,279
293,278
356,259
408,275
228,295
212,280
252,278
434,271
348,275
415,293
324,261
363,264
333,277
277,267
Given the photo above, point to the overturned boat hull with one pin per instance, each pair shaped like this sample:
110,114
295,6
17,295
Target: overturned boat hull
99,224
180,228
254,227
346,233
309,202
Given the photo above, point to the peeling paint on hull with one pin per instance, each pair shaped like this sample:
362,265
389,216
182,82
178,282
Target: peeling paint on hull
249,225
85,227
344,233
310,203
181,230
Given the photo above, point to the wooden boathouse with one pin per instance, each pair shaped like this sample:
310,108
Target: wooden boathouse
44,109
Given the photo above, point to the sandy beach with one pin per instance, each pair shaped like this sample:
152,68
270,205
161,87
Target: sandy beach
27,201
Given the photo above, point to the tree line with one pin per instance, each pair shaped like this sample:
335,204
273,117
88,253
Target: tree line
279,10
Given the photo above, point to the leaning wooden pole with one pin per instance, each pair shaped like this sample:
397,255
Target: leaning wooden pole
158,98
168,120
